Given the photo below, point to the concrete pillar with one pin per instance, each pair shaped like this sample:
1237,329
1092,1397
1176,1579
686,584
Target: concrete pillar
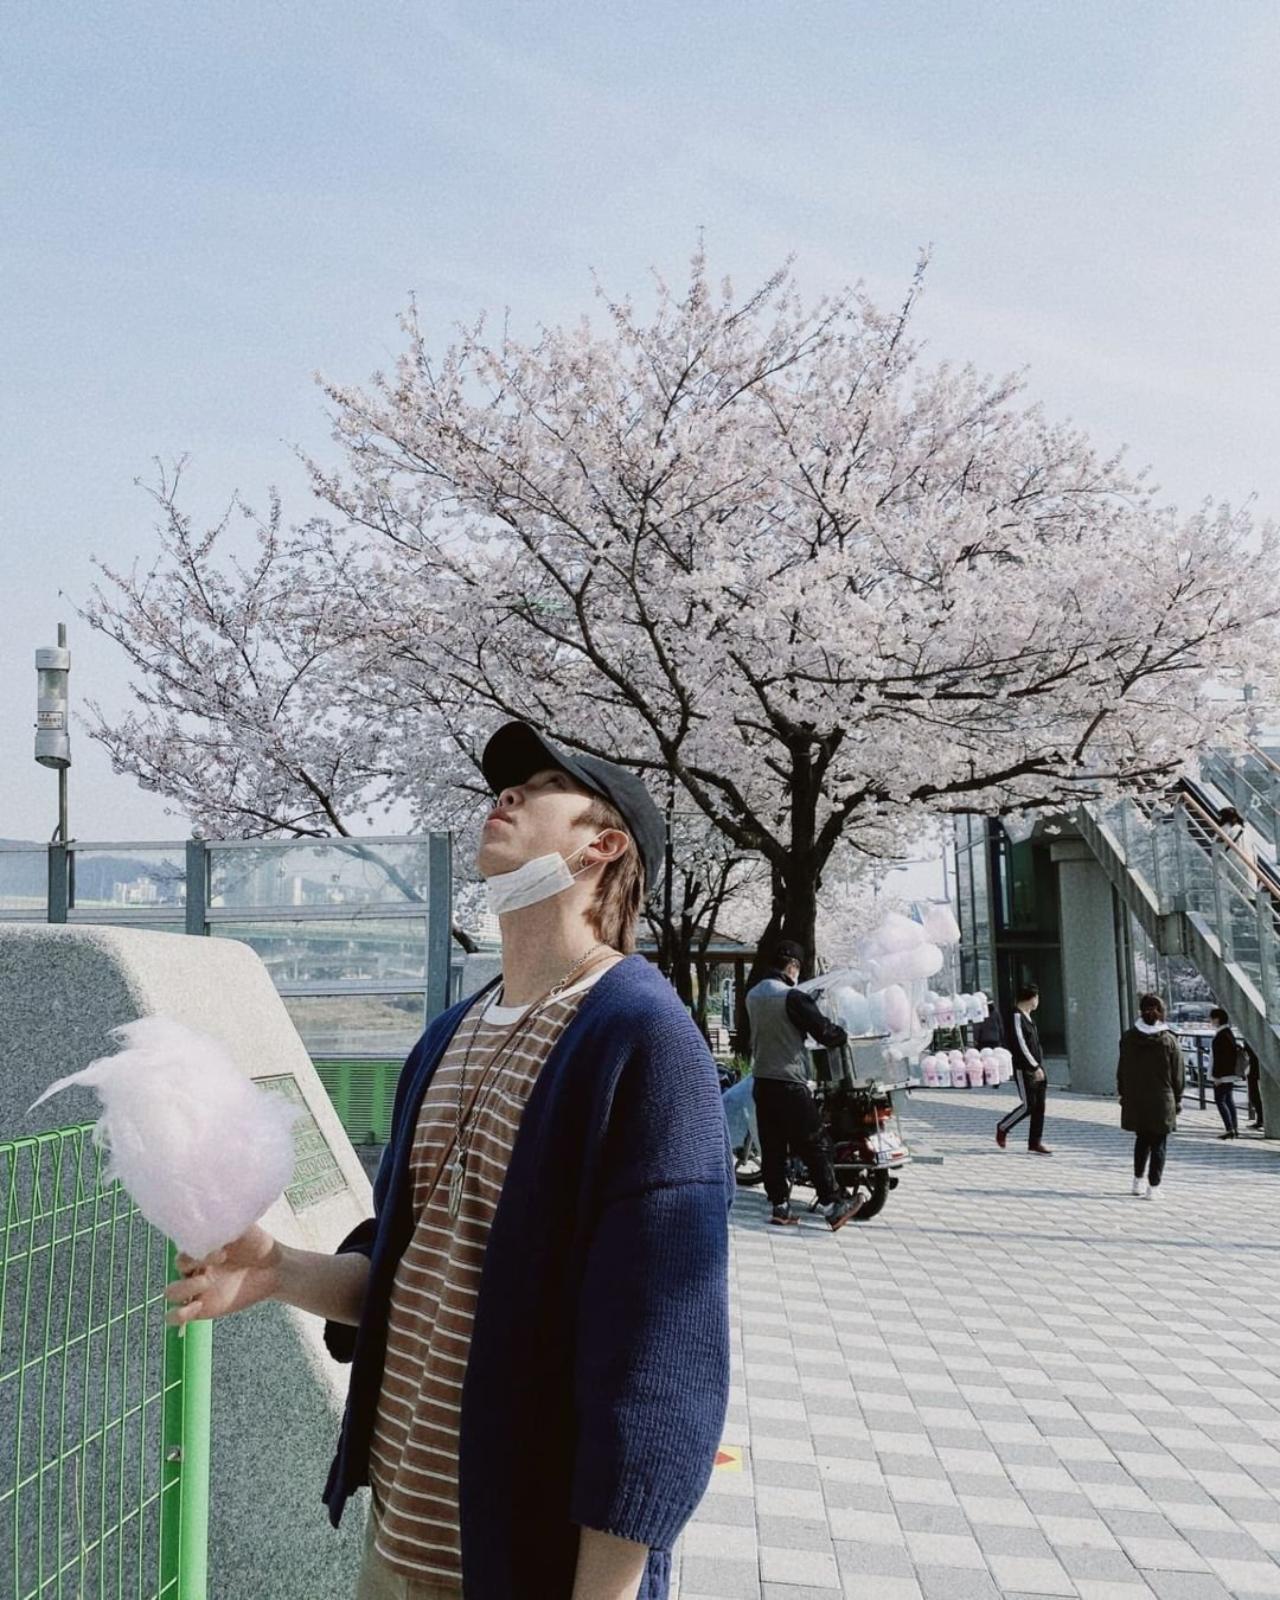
1090,976
1270,1105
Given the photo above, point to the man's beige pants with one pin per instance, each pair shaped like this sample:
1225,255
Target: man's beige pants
378,1581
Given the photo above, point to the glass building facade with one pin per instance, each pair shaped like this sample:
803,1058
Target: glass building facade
1008,909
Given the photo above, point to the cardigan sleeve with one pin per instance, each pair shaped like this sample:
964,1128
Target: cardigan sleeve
340,1337
651,1373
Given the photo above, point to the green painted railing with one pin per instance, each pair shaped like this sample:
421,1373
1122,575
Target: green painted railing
104,1412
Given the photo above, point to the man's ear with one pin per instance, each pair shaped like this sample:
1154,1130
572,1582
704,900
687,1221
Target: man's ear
611,845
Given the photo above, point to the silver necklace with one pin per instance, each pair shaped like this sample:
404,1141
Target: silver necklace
464,1125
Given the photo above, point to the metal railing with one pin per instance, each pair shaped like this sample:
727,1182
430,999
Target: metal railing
104,1412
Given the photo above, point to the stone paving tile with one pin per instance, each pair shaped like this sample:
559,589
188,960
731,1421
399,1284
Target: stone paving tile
795,1533
1029,1575
720,1577
813,1567
1012,1383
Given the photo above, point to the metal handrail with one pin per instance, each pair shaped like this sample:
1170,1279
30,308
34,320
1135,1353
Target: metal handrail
1262,756
1249,866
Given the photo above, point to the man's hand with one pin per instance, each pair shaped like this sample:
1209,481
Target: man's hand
239,1275
1038,1075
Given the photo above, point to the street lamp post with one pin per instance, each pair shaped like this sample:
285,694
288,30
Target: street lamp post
53,749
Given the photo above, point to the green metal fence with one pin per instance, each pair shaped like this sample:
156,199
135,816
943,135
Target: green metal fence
104,1412
363,1091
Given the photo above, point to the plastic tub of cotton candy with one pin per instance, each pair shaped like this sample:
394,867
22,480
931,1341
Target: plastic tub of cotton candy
200,1149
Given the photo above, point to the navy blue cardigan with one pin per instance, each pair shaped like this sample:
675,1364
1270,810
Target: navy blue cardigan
598,1376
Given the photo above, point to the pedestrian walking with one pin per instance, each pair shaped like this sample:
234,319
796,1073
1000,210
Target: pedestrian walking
1225,1069
1253,1078
537,1313
782,1017
1028,1073
1149,1082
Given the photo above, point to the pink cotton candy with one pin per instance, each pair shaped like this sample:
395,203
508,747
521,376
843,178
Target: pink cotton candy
199,1147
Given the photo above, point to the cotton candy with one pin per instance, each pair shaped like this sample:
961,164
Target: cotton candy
200,1149
893,932
849,1009
905,966
896,1009
940,926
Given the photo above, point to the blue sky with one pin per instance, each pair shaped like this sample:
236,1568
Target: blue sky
201,207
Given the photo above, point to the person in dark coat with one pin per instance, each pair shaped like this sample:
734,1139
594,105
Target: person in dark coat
1226,1069
1149,1081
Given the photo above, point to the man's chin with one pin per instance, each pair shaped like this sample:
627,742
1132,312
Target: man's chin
492,859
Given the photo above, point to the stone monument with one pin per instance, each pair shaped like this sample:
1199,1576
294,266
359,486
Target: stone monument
277,1394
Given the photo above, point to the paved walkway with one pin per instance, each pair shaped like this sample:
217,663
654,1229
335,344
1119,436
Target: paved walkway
1019,1380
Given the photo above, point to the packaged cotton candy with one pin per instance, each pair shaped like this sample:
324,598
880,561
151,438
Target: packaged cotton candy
940,926
845,1005
904,966
200,1148
892,933
896,1009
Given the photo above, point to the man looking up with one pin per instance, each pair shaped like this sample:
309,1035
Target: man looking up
781,1018
537,1313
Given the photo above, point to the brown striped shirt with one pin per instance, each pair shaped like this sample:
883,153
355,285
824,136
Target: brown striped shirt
413,1464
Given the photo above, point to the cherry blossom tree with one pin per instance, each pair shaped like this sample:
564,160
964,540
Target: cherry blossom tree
760,546
247,723
765,548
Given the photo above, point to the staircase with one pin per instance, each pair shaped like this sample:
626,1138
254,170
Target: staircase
1202,894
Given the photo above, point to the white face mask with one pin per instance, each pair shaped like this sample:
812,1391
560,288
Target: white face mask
537,880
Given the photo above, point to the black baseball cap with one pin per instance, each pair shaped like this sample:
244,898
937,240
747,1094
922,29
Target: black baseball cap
517,751
786,951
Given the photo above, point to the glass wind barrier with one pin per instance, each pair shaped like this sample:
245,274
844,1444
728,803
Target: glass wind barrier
319,874
117,883
358,1024
364,950
24,881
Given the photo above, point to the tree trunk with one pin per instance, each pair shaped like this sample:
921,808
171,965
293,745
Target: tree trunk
794,916
700,1011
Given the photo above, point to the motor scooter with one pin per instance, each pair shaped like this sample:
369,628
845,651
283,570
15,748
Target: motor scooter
868,1149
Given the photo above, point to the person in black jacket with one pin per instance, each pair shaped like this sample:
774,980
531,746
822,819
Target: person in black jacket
1149,1080
782,1016
1028,1072
1226,1069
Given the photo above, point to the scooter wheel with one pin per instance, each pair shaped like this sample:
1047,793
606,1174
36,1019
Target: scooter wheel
878,1183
